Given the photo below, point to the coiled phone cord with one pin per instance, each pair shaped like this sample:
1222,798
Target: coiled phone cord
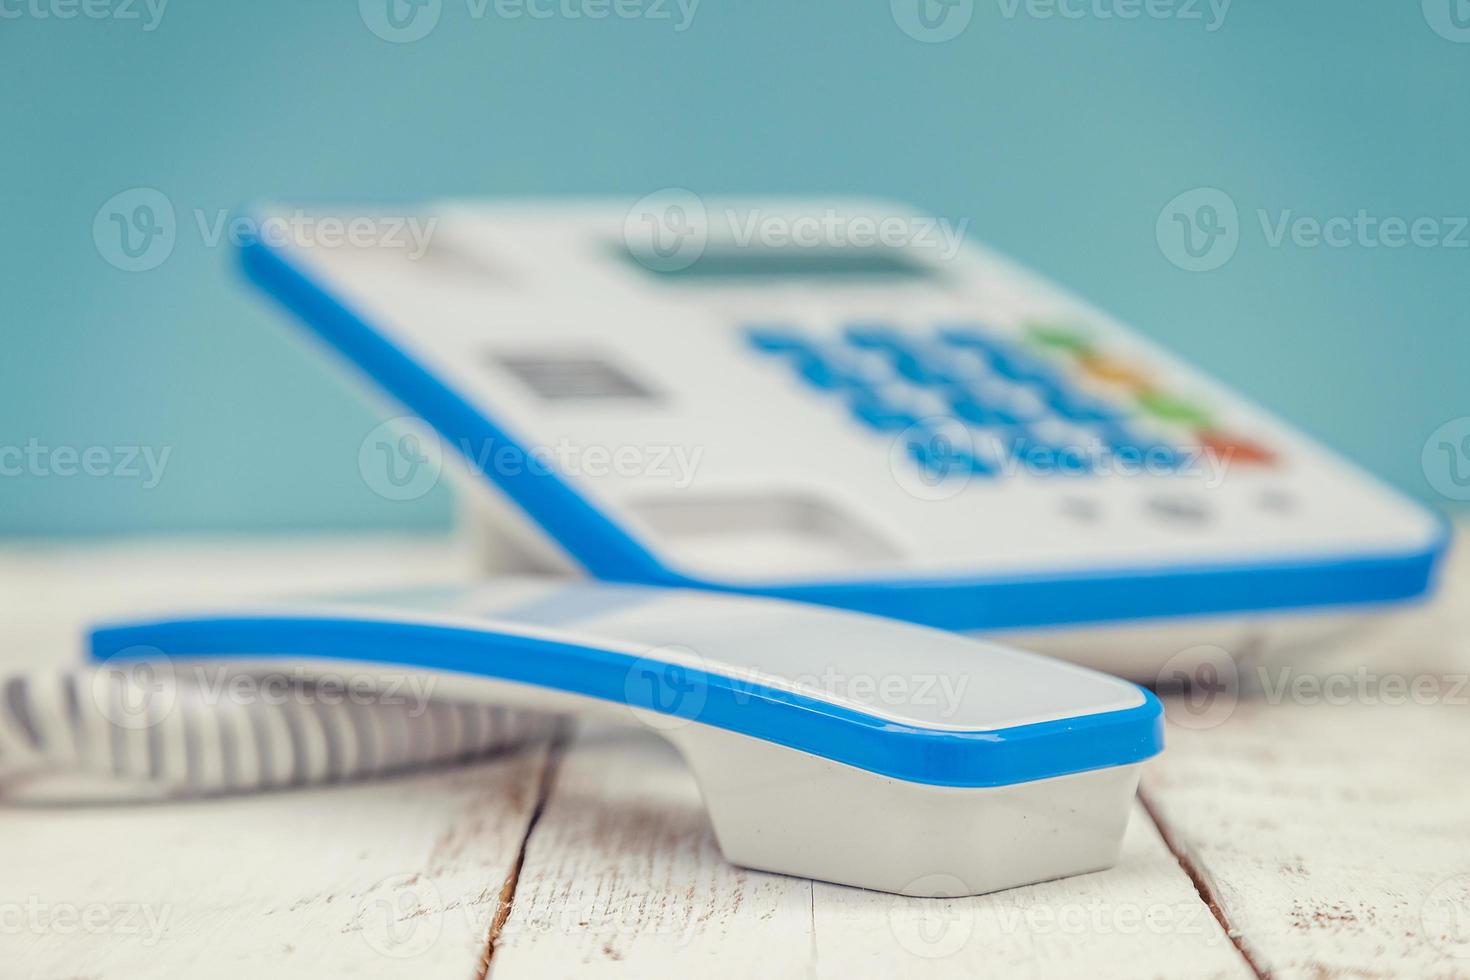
158,735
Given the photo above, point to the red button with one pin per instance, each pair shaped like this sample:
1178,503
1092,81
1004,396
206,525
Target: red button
1236,450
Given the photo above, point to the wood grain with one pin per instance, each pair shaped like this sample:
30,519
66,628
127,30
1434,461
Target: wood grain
1331,837
1334,838
623,878
1325,808
400,878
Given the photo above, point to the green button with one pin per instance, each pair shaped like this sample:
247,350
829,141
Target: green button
1059,337
1173,409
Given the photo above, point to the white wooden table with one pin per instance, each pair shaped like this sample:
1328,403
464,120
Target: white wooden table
1274,838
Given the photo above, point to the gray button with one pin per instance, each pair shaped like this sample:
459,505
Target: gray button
1277,502
1083,510
1180,510
563,376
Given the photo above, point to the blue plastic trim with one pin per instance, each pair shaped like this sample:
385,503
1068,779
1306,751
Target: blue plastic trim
1022,600
587,535
1000,757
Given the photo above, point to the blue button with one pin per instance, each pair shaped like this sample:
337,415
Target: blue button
777,339
910,369
924,368
942,457
876,336
973,336
1079,407
1044,458
978,412
1137,449
1016,401
825,375
880,414
1021,366
841,367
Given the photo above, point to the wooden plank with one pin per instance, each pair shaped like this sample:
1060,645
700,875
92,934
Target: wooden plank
622,878
1143,918
1334,839
399,878
1325,806
395,878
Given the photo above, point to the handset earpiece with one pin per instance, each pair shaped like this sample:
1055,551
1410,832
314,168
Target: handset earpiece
827,744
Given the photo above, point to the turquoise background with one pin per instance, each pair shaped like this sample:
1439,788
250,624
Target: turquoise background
1061,140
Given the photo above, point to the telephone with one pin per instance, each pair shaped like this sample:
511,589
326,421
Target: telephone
842,402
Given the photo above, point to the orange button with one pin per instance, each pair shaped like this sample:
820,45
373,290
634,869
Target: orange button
1235,450
1118,372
